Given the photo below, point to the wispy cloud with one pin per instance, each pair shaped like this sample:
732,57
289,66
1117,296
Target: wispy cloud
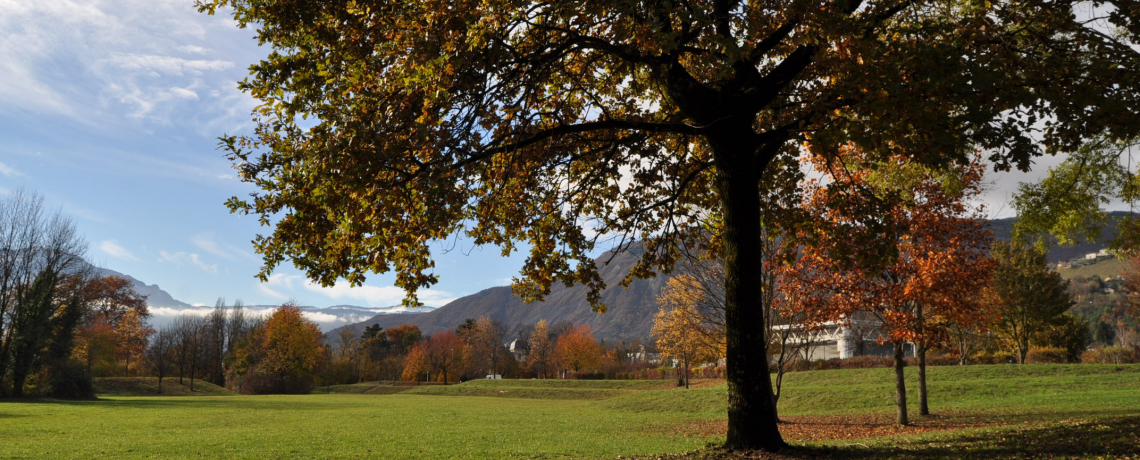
113,249
210,243
185,258
9,171
88,60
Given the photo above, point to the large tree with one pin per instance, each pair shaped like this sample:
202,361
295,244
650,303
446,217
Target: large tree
388,125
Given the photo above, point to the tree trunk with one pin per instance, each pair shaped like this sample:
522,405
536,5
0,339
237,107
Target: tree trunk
686,373
18,384
751,414
923,408
900,385
920,349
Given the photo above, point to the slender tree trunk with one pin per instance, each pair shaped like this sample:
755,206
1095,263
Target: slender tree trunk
18,384
686,373
752,420
923,408
900,386
920,348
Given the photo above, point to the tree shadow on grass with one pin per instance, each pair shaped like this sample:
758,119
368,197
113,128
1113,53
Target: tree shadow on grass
1107,437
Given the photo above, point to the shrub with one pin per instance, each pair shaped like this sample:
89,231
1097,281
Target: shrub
1047,355
1111,355
70,381
991,357
868,362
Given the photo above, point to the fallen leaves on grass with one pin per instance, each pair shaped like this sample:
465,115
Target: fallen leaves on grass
1097,438
816,428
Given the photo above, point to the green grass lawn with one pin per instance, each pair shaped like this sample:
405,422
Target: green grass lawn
980,411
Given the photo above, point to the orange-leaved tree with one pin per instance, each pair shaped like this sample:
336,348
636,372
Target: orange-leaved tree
444,353
926,275
541,358
577,349
283,354
113,296
131,336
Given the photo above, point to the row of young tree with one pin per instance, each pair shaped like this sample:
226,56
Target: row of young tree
479,348
280,353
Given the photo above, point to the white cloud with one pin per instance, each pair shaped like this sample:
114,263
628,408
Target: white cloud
376,296
89,60
184,258
157,66
193,49
209,242
112,248
281,285
9,171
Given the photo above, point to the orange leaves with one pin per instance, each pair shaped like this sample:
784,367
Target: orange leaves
577,350
291,344
892,237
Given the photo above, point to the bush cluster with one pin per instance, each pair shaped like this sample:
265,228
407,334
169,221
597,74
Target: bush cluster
1047,355
1112,355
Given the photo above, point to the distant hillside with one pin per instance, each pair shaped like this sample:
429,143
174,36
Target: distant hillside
155,296
1003,227
630,314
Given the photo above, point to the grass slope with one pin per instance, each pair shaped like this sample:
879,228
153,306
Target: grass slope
1106,269
997,411
148,386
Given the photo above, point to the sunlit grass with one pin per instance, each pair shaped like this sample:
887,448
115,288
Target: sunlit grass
573,419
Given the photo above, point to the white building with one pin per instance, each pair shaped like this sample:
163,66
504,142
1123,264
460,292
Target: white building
858,336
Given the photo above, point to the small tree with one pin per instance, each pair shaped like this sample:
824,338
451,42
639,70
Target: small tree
445,353
540,359
924,276
131,337
487,348
290,353
681,331
577,350
1026,294
159,355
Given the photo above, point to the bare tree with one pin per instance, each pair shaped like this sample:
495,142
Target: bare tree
38,254
188,346
487,344
159,354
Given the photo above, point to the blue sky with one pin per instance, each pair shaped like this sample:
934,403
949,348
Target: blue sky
111,110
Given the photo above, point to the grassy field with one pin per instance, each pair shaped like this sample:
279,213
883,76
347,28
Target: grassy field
980,411
1105,269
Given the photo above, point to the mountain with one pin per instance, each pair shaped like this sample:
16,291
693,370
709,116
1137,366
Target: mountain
630,314
155,296
1002,229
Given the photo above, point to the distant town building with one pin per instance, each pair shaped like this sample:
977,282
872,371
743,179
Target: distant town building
519,348
858,336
